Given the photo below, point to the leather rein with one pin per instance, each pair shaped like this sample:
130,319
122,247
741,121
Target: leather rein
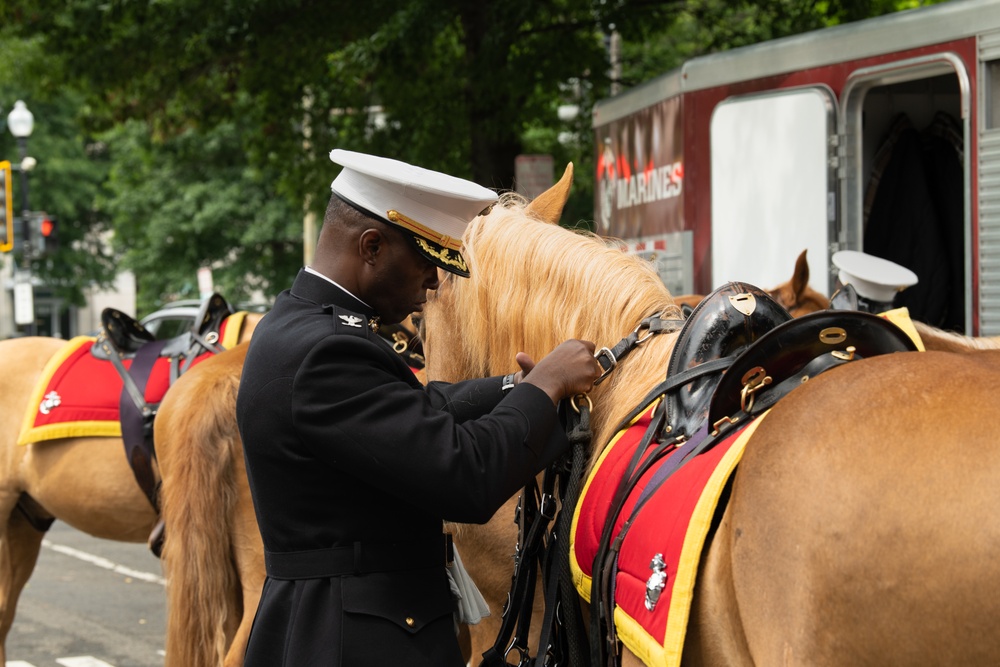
563,631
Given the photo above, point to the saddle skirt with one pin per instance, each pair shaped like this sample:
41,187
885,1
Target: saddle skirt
672,526
78,395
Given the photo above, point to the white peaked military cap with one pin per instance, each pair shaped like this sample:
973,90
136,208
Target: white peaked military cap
433,208
873,277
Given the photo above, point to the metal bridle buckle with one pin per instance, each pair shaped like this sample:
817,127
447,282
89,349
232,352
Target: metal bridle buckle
401,342
576,408
612,362
754,380
645,324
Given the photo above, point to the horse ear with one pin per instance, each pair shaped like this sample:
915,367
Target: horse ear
800,279
548,206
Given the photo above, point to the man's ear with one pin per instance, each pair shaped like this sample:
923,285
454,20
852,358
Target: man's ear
370,244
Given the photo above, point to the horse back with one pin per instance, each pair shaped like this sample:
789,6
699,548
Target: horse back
864,508
22,361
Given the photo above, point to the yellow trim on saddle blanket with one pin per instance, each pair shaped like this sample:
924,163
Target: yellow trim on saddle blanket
96,428
234,327
647,648
78,429
901,318
581,580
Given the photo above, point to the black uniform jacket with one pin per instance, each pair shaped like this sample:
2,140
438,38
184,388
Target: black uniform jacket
353,465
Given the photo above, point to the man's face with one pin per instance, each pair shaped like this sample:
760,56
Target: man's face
401,278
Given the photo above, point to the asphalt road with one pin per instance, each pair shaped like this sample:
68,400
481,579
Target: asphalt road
90,603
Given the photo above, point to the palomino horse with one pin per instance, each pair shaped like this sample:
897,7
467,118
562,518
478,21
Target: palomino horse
213,557
860,527
84,481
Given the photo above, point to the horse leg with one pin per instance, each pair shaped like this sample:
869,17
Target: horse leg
20,543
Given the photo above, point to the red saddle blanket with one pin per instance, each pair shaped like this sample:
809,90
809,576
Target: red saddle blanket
78,395
672,524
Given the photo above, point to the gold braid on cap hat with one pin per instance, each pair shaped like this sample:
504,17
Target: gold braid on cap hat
423,230
442,255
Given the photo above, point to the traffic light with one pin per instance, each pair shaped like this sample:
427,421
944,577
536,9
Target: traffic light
6,207
43,232
47,228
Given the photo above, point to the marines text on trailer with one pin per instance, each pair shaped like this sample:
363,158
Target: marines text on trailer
881,135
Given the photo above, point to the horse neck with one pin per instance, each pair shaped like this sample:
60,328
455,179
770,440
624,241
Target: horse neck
625,388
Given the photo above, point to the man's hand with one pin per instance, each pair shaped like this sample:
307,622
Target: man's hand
566,371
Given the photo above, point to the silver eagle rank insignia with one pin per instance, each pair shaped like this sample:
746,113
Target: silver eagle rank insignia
351,321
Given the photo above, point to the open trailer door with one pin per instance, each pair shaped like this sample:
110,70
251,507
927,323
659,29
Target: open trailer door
773,158
906,183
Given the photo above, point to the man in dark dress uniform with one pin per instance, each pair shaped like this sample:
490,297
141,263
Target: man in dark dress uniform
353,464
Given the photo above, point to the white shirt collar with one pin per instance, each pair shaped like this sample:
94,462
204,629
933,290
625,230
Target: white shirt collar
313,271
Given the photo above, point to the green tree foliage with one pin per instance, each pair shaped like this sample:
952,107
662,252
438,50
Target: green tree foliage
72,166
193,201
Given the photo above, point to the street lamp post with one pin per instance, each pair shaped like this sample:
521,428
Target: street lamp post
21,122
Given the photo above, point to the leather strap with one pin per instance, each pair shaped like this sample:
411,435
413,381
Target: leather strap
136,417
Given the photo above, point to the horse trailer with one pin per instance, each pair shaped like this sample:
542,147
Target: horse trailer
881,135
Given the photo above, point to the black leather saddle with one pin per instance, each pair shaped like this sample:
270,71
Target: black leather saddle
793,352
126,335
722,325
123,331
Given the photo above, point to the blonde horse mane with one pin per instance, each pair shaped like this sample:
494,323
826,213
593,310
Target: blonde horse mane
533,285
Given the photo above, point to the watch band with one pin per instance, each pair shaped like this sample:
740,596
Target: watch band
508,383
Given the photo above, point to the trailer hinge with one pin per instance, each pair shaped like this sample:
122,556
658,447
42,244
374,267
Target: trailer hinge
836,161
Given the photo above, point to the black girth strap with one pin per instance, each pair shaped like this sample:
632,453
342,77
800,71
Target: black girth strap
137,418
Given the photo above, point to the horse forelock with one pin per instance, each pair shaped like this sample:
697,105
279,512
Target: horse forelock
535,284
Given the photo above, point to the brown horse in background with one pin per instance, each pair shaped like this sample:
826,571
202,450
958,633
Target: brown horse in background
796,295
800,299
851,535
85,482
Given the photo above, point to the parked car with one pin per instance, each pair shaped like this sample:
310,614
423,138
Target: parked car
177,317
173,319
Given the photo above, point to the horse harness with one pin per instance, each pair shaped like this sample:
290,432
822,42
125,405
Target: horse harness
123,338
737,354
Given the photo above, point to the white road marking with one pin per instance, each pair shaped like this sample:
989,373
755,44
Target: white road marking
80,661
107,565
83,661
